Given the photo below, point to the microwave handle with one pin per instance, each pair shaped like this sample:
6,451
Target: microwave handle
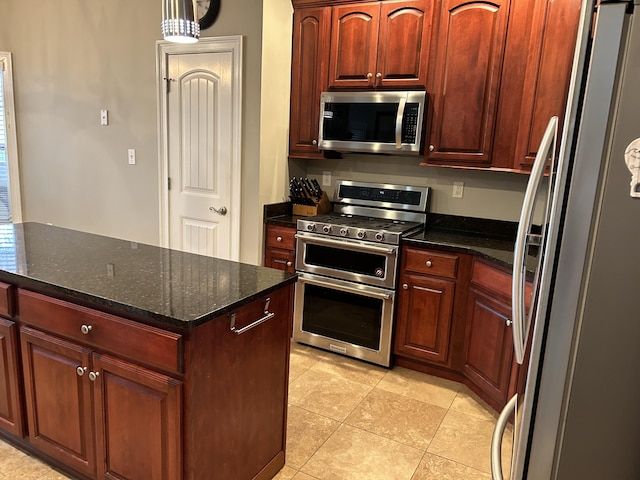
403,102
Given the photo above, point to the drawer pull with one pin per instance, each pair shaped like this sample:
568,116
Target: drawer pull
405,286
289,264
80,371
93,376
508,322
428,263
86,329
278,239
267,316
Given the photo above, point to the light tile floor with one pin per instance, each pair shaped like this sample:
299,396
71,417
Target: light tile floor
350,420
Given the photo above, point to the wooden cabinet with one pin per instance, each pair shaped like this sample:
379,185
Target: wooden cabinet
466,83
280,248
98,414
489,360
548,74
425,305
309,73
109,398
11,418
381,44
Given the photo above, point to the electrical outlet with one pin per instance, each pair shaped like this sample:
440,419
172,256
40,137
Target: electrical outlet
104,117
110,270
326,179
458,189
132,156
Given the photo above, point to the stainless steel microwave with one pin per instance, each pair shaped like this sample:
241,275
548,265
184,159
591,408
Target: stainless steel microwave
374,122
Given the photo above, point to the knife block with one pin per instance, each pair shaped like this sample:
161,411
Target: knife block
320,208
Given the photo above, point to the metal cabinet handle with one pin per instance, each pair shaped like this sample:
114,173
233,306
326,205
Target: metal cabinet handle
428,263
405,286
314,142
267,316
289,264
221,211
509,322
86,329
80,371
431,148
378,75
93,376
369,75
278,239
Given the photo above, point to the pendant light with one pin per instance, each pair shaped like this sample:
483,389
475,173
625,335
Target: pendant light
179,21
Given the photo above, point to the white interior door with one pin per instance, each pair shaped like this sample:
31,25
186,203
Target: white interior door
202,131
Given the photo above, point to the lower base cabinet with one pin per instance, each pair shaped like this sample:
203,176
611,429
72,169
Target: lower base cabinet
109,398
11,417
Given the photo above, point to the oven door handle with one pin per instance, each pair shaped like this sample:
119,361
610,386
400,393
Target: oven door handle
341,243
302,278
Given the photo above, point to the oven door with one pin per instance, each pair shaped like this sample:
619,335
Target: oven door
343,317
348,259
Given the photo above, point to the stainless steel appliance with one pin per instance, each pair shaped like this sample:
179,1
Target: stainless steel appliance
374,122
578,417
348,263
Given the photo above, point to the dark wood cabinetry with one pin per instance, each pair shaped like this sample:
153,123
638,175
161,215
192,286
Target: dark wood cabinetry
309,67
381,44
280,248
11,418
548,74
425,305
465,87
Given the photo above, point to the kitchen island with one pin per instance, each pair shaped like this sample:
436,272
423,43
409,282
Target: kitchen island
124,360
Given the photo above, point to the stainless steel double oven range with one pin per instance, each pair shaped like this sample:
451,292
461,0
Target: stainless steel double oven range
347,263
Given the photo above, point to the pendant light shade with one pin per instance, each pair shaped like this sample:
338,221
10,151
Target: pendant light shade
179,23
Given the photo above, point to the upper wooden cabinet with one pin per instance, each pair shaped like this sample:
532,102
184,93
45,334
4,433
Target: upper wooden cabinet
465,87
548,74
309,64
381,44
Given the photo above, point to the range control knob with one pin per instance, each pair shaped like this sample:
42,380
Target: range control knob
326,229
344,231
361,234
379,236
311,227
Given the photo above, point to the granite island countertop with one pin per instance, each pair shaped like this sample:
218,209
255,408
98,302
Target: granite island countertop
135,280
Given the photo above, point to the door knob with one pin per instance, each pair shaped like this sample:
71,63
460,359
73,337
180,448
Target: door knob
221,211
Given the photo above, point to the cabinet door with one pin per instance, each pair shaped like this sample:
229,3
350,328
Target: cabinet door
58,399
354,45
309,73
489,346
423,325
548,74
280,259
10,406
404,43
138,421
470,46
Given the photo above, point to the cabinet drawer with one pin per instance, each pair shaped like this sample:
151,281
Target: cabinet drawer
6,299
281,237
496,281
430,263
112,334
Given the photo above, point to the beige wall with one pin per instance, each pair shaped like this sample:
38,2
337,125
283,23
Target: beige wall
72,58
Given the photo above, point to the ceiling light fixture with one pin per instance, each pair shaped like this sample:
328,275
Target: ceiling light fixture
179,21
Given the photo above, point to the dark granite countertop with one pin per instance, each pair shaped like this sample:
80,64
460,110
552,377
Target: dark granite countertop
138,281
492,240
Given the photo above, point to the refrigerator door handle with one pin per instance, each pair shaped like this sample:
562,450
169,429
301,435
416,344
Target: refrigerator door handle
524,238
496,439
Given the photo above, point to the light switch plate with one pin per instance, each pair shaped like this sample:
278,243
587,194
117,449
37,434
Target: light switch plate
104,117
132,156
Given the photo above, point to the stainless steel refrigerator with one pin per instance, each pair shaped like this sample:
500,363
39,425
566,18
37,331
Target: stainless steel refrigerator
579,415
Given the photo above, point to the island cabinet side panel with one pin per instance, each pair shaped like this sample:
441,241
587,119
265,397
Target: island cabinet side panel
236,389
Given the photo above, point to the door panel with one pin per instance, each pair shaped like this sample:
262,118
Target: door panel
10,408
138,422
58,399
470,45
